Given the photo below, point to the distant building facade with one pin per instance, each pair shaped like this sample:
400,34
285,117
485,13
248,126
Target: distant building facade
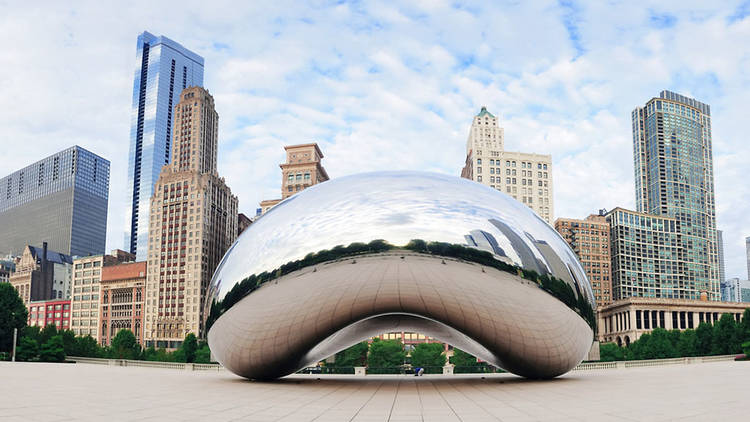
747,254
163,69
524,176
87,274
302,169
7,267
589,239
61,200
123,290
674,177
193,223
624,321
735,290
50,312
41,274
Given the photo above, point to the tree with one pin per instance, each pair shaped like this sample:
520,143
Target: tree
203,354
725,339
660,345
687,346
428,356
86,346
704,339
27,349
461,358
189,346
355,355
53,350
13,315
69,342
385,354
47,333
610,352
743,327
125,346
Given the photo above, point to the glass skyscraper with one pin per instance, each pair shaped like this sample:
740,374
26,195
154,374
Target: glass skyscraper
163,69
61,200
674,178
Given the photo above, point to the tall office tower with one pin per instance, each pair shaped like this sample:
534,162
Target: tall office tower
526,177
193,222
648,257
61,200
720,252
163,69
674,178
302,169
589,239
84,301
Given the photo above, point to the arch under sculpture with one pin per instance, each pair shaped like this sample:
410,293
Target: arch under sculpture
361,255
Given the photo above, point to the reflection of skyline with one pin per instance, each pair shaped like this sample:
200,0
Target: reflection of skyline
396,207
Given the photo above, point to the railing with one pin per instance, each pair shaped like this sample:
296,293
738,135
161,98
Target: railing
584,366
148,364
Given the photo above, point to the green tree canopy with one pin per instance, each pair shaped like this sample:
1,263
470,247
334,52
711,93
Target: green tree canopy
725,336
356,355
704,339
461,358
13,314
610,352
47,333
189,347
203,354
86,346
53,350
429,356
385,354
125,346
27,349
687,346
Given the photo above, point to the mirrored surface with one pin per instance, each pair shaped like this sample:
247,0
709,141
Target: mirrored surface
397,212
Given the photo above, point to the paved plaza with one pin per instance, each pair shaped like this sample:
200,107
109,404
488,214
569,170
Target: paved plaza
60,392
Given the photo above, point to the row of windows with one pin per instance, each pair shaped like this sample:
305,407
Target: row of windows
512,163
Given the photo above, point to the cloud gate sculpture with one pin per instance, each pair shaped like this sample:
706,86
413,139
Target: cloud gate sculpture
367,254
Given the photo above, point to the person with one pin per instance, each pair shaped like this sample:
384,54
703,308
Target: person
421,371
416,371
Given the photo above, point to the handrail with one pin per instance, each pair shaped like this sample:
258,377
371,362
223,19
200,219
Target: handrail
583,366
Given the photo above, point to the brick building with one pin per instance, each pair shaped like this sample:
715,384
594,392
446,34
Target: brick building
122,300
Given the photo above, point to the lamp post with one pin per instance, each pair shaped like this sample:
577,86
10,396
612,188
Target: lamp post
15,336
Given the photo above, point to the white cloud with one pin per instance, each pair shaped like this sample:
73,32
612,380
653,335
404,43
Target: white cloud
383,86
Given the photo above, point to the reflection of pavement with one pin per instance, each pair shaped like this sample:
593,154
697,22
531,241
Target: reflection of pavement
74,392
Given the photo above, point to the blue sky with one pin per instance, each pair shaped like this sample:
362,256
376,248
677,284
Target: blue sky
391,86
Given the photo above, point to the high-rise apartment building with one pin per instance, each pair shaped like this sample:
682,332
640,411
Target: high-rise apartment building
735,290
61,200
720,252
193,222
526,177
163,69
84,301
674,178
648,257
301,170
589,239
121,306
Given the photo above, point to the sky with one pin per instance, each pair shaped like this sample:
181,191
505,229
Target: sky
390,86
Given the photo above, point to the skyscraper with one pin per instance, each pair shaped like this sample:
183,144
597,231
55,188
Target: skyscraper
720,252
163,69
674,178
61,200
193,223
524,176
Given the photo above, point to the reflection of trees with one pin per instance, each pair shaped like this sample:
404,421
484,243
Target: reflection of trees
554,286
